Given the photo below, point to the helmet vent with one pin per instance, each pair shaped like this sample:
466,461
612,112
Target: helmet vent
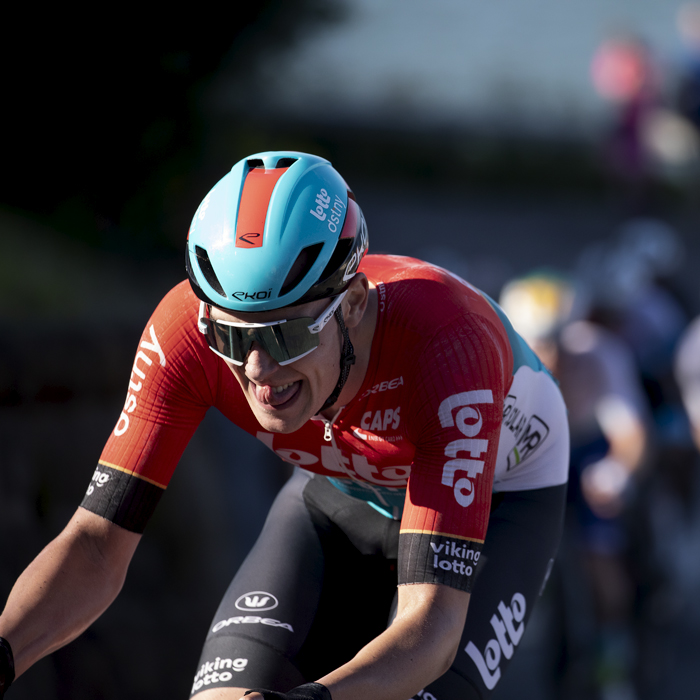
285,162
208,271
341,252
255,163
302,265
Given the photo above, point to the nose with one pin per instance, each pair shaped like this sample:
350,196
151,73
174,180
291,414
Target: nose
259,364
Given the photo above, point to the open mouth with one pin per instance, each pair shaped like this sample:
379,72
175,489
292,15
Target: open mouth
276,397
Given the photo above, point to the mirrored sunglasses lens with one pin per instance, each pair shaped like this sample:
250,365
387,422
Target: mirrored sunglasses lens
288,340
229,341
283,342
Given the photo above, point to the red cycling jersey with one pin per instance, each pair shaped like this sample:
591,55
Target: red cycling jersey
423,431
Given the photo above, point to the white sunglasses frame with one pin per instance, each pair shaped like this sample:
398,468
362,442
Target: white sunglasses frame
316,327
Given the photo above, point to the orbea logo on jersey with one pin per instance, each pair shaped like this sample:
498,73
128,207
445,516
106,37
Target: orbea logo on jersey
383,386
509,628
468,420
257,601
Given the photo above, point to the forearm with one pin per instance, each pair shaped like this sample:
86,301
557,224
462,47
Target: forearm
67,586
630,449
414,651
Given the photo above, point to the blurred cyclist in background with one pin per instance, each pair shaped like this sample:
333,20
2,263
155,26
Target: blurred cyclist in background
688,97
687,372
632,294
609,426
664,529
430,445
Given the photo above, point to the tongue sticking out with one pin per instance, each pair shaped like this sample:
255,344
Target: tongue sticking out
266,394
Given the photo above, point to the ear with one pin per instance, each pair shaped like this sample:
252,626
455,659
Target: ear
355,302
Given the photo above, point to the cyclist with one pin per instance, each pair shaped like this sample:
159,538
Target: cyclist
686,369
430,448
610,444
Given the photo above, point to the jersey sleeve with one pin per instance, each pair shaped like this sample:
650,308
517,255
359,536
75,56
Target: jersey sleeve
169,392
455,419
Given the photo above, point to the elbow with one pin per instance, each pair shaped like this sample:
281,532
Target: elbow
445,654
448,658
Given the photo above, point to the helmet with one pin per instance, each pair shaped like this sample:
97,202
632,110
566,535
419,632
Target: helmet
540,303
282,228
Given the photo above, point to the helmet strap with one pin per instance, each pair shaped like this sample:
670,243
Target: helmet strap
347,359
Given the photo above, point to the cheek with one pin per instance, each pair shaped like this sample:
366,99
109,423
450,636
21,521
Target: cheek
329,350
238,373
323,366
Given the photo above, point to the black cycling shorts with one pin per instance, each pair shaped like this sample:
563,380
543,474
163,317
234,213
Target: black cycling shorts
320,583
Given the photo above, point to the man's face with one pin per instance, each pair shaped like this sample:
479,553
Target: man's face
283,398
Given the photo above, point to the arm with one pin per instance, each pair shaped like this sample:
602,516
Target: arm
419,647
605,482
622,414
67,587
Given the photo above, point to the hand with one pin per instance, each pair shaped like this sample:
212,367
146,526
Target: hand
603,484
7,666
307,691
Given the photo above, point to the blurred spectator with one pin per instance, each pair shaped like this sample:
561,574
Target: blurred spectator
653,135
632,295
688,21
687,372
665,535
624,71
608,419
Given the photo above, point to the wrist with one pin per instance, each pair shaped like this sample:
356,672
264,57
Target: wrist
307,691
7,666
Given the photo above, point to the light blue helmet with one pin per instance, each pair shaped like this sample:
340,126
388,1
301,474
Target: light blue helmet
282,228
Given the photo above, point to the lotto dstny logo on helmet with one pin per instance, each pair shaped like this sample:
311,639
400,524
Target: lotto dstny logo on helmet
323,201
257,601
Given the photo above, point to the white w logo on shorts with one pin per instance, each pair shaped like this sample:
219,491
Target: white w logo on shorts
256,601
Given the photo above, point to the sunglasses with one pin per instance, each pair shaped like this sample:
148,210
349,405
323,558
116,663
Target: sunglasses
285,341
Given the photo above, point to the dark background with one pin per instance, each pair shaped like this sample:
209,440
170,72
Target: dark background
111,139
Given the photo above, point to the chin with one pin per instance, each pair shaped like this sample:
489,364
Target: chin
279,424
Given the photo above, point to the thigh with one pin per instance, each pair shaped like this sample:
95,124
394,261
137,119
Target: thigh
521,543
269,606
318,572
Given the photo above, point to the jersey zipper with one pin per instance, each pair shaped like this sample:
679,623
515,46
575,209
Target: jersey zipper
328,436
328,425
